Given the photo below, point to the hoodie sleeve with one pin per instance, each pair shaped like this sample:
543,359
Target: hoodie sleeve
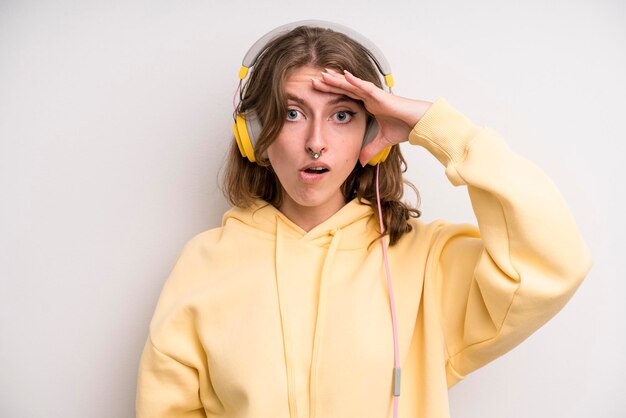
173,379
496,286
167,387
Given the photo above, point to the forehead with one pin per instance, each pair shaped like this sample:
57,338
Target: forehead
298,84
304,74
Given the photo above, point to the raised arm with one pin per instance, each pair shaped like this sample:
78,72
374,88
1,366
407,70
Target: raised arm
497,285
496,289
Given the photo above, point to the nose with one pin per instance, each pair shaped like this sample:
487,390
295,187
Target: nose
316,142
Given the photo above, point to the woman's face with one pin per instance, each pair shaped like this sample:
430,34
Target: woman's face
330,124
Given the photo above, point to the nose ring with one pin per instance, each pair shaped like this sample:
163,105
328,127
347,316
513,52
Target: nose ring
315,154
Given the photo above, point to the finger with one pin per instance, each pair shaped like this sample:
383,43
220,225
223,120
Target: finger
366,87
373,148
350,82
330,70
339,80
321,85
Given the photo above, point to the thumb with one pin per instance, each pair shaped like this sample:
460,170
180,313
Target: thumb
370,150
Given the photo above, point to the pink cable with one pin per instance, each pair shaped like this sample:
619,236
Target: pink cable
391,299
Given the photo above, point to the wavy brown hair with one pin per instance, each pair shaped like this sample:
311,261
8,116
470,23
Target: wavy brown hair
263,93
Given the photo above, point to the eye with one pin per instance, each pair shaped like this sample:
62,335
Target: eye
292,114
344,116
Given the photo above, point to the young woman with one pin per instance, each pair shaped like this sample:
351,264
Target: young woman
285,310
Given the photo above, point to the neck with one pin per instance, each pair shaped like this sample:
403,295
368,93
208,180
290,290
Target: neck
308,217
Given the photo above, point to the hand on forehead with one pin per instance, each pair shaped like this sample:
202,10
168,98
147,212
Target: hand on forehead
305,86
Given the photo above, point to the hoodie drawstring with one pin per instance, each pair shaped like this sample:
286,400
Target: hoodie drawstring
284,322
281,285
320,321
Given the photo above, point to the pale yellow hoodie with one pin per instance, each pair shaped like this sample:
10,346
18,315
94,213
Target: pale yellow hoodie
262,319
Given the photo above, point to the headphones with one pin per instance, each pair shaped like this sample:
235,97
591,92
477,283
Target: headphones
247,127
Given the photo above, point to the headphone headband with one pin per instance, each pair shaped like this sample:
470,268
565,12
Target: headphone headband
372,50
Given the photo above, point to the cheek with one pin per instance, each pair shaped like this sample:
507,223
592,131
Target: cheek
357,135
289,142
354,145
277,151
281,157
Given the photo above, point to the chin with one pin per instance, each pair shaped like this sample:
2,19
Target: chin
315,200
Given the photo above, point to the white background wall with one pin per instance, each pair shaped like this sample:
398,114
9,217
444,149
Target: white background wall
114,119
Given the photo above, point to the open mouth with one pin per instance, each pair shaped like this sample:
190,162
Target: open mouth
316,170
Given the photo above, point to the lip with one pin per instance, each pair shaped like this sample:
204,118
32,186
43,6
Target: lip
313,177
315,164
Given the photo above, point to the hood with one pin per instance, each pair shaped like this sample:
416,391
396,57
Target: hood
356,221
326,254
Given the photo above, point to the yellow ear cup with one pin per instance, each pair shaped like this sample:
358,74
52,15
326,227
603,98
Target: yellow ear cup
243,140
238,139
380,157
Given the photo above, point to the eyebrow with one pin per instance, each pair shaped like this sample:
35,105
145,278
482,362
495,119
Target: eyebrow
340,99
